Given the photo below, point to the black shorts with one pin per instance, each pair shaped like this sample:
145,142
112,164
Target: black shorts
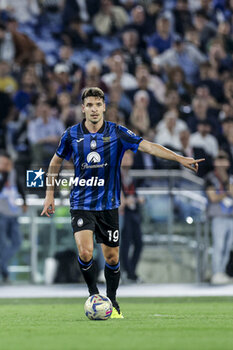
104,224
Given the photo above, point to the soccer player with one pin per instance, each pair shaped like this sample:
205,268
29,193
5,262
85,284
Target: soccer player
97,148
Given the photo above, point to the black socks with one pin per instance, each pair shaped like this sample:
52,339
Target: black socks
89,273
112,275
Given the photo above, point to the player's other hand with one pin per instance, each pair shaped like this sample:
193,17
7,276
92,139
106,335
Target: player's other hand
191,163
49,207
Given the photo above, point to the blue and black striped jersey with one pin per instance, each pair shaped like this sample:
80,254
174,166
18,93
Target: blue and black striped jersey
97,159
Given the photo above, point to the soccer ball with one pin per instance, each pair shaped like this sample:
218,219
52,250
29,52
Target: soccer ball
98,307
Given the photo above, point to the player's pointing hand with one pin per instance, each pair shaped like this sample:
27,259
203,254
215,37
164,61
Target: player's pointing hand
191,163
49,207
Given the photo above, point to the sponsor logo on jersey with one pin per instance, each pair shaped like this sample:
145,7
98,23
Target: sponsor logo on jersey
94,166
79,140
93,157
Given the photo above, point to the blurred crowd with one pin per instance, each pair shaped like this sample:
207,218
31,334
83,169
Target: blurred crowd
165,67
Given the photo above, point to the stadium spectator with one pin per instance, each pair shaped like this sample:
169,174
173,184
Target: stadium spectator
199,112
67,112
219,58
153,9
161,40
10,237
176,82
224,33
139,117
191,36
219,191
75,35
30,88
195,151
43,134
202,138
24,47
182,17
113,114
172,100
50,15
110,18
147,83
133,54
93,70
203,91
184,55
118,72
66,56
205,28
66,83
84,9
209,77
139,23
24,11
168,130
118,97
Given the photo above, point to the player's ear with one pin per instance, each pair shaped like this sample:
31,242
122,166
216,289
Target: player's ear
83,108
104,107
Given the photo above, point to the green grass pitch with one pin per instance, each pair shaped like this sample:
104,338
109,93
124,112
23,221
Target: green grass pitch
149,323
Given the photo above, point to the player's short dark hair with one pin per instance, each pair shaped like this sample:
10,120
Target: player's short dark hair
92,92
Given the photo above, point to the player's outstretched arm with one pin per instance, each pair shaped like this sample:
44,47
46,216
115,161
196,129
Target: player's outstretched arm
53,171
165,153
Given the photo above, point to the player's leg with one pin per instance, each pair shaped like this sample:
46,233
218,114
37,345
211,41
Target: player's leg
112,270
84,242
112,275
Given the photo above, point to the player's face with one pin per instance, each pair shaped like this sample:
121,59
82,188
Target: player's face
93,108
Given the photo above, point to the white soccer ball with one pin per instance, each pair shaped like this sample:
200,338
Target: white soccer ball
98,307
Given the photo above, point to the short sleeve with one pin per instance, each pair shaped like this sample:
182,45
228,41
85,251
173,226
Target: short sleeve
64,149
128,139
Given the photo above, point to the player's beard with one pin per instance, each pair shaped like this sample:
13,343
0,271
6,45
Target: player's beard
96,121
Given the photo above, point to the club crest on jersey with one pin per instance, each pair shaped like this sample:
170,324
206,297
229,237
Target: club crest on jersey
80,222
93,158
93,144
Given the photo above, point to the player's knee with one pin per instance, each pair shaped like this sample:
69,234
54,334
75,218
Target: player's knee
112,259
85,254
